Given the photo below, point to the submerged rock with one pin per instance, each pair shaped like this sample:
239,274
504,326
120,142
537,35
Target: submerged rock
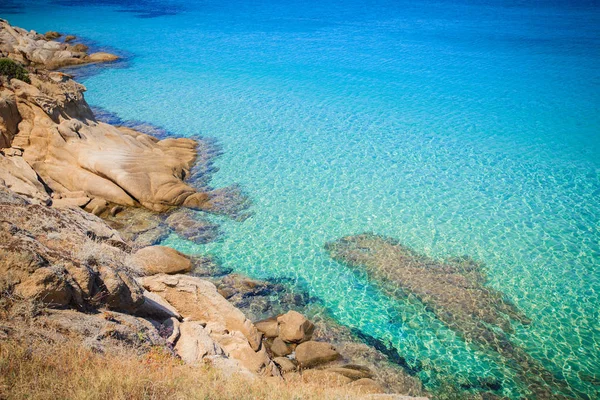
260,299
208,266
192,226
455,292
138,225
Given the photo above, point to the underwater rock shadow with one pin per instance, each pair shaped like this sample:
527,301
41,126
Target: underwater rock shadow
454,292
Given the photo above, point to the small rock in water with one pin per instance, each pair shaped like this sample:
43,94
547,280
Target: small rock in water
207,266
51,35
79,47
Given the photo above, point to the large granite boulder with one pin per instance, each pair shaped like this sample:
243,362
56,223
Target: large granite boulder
310,354
294,327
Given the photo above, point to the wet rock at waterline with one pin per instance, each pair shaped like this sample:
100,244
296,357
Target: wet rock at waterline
191,226
259,299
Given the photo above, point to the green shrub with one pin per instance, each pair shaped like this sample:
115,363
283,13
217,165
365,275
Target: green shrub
11,70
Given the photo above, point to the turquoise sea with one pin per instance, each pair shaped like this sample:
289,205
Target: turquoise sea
459,127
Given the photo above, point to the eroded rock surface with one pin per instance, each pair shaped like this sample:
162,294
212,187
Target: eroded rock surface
199,301
49,124
66,257
29,47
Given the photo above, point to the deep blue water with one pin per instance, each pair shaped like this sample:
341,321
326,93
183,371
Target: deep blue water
458,127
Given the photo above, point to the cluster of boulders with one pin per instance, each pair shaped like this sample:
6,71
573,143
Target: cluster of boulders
101,288
288,338
60,169
70,258
29,47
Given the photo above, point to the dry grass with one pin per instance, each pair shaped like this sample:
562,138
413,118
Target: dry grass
32,368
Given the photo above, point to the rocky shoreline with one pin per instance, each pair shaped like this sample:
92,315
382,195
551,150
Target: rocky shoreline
83,204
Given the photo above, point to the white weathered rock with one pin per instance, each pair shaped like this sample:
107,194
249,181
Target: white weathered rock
194,343
198,301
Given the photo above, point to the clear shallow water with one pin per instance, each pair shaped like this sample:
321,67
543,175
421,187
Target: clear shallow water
458,128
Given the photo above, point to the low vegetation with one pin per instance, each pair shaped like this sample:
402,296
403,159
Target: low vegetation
38,363
12,70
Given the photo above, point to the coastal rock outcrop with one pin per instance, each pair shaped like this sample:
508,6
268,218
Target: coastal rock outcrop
28,47
57,160
72,152
66,257
48,123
